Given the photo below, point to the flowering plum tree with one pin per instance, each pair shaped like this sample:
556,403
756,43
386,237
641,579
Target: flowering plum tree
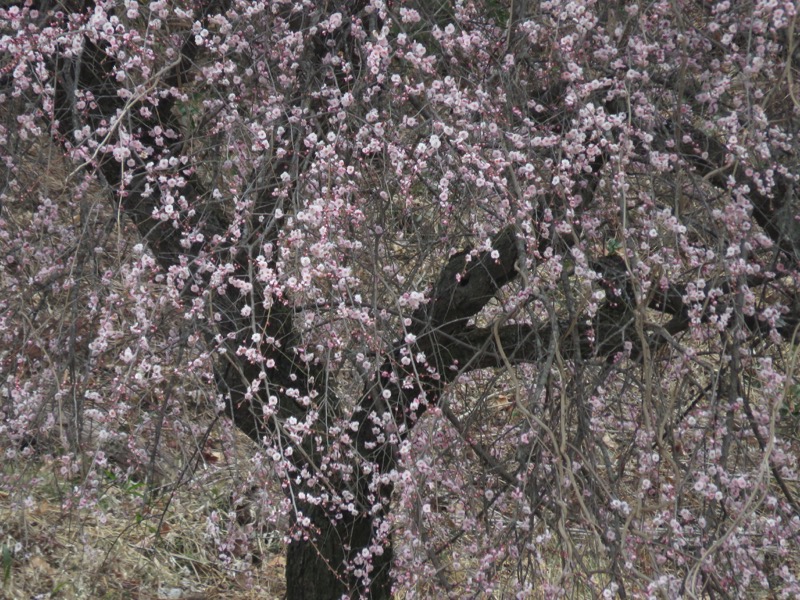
505,292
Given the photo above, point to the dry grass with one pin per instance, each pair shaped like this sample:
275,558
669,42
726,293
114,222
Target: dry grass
125,547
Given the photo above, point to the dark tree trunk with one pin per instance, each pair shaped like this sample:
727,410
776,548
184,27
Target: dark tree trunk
311,572
326,559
